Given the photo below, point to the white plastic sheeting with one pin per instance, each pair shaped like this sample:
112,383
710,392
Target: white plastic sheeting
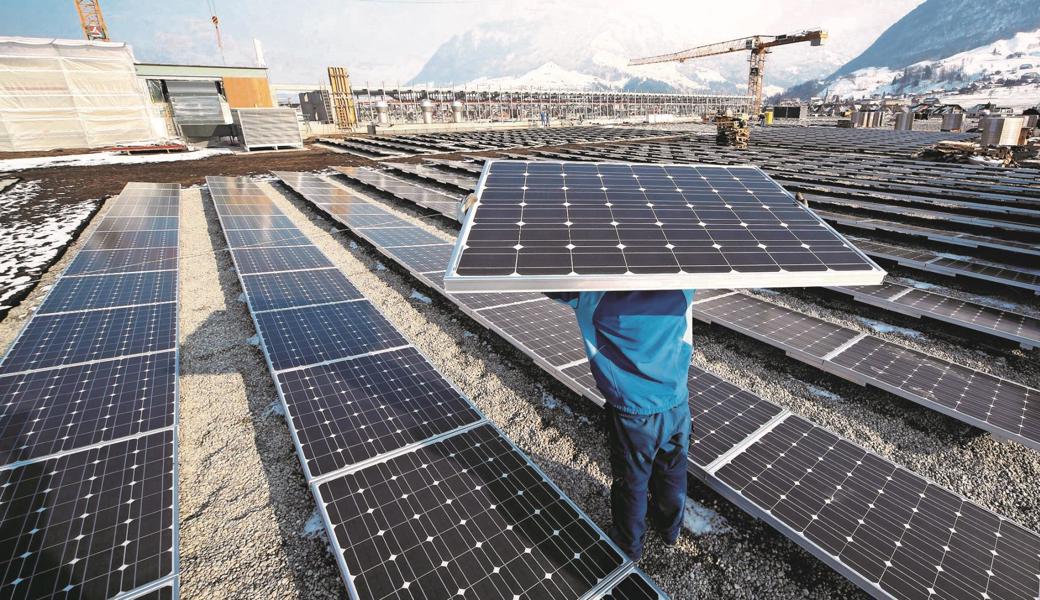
70,94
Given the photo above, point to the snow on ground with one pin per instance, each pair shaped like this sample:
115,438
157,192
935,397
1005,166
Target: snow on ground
700,520
104,158
416,295
823,394
1017,98
880,327
32,232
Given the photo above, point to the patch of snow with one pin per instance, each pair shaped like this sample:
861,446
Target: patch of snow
880,327
553,403
822,393
314,527
33,230
105,158
415,295
701,520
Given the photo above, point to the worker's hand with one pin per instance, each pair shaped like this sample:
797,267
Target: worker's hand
464,205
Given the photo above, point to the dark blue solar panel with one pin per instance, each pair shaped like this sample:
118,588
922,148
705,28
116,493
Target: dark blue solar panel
254,222
116,240
297,288
99,262
46,412
305,336
104,291
91,524
137,223
53,340
352,410
259,238
269,260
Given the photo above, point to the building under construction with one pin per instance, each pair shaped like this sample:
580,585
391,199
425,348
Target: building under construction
418,105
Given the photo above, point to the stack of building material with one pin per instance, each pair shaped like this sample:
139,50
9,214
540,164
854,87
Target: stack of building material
267,128
732,131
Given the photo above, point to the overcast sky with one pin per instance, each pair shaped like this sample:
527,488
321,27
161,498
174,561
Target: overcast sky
390,40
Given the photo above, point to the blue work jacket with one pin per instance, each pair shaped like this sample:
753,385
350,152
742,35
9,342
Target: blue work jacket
639,345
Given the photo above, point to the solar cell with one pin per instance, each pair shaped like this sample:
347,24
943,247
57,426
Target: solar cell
305,336
100,262
261,238
275,259
273,291
354,209
256,222
350,411
479,301
793,331
69,338
127,207
116,240
46,412
257,209
389,237
551,226
383,219
105,291
137,223
468,515
545,328
723,415
979,318
91,524
422,258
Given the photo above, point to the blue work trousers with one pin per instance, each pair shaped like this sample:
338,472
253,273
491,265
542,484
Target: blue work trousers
648,465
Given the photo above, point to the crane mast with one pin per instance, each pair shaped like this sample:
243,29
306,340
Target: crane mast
91,19
758,45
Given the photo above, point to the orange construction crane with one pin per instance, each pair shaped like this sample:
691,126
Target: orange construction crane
91,20
759,46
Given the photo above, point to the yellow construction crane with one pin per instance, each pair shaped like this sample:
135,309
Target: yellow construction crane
91,20
759,46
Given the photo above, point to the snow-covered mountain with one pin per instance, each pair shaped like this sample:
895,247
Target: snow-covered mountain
592,53
952,45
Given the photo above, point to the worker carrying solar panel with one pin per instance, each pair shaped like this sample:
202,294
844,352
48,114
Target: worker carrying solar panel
625,245
640,345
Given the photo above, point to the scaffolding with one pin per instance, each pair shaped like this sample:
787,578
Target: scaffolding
406,105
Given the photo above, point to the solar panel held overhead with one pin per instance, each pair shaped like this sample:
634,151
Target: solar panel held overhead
578,226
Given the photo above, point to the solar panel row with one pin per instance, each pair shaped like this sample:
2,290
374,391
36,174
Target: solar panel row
441,202
926,260
919,303
748,449
1005,408
421,496
88,405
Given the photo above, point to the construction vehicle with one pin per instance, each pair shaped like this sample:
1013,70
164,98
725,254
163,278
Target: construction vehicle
758,45
91,20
